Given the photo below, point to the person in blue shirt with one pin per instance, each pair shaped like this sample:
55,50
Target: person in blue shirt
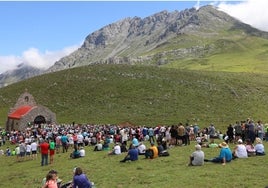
135,141
132,154
225,155
64,142
80,180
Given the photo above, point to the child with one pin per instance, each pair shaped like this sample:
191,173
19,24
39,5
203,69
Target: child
51,181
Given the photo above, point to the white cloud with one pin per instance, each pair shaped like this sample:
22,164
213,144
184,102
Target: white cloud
35,58
197,5
9,62
252,12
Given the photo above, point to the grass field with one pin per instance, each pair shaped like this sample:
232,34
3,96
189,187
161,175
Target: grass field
144,95
150,96
167,172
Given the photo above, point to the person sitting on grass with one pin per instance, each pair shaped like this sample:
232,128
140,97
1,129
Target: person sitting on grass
116,150
212,144
80,180
76,153
141,148
98,146
135,141
132,154
51,180
250,148
259,147
106,145
82,152
197,157
162,152
225,155
240,150
152,152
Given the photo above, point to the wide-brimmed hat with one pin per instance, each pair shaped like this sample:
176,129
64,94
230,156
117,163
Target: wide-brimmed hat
240,141
258,140
223,145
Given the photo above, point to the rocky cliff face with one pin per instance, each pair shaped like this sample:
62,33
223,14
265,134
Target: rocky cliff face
155,40
136,40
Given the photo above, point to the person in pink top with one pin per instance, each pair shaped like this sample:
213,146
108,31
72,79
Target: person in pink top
51,181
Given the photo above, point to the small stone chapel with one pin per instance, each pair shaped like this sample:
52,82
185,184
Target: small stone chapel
26,112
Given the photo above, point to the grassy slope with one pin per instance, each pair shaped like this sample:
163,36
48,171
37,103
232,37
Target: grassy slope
166,172
145,95
229,51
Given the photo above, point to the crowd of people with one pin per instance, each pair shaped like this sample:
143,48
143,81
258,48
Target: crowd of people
241,150
62,137
51,139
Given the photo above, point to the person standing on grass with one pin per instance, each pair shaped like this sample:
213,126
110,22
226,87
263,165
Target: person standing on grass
44,148
151,134
58,143
181,134
260,130
22,150
17,151
51,151
251,130
197,157
230,134
28,151
34,149
64,143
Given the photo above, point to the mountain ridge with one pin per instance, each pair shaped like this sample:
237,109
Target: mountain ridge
132,40
189,39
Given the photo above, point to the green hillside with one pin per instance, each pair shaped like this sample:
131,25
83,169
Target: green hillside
232,51
145,95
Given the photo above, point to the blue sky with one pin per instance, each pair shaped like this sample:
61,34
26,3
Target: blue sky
41,32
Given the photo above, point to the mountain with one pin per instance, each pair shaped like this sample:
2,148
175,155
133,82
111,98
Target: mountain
204,39
22,72
176,39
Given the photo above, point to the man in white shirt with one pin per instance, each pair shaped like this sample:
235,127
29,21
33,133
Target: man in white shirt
82,152
80,139
98,146
34,149
240,150
116,150
141,148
